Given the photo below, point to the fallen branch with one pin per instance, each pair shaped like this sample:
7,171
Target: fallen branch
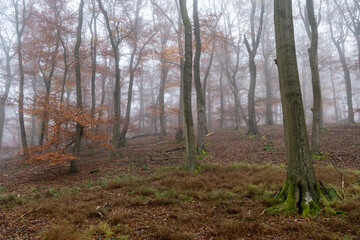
28,212
175,149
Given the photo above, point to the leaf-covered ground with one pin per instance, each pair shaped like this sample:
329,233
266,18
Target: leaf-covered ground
144,193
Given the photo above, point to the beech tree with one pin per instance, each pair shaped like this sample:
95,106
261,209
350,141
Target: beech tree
187,80
351,16
178,27
5,45
311,26
252,51
134,63
301,192
267,50
115,39
165,64
93,53
232,66
338,38
200,98
79,105
20,23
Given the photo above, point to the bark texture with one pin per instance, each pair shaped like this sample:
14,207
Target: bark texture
301,192
188,119
200,99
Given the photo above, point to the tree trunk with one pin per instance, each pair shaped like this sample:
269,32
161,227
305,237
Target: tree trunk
141,125
252,50
33,118
269,119
161,99
79,127
341,52
267,51
238,107
209,110
303,85
334,93
132,69
103,92
19,32
93,54
206,90
200,100
116,104
251,99
47,82
153,103
221,99
301,191
235,90
313,58
5,95
188,120
179,136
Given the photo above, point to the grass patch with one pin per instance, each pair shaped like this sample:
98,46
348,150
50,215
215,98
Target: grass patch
219,202
11,200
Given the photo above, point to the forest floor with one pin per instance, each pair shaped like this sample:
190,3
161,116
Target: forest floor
145,193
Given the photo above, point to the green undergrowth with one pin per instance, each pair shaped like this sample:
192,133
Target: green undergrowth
175,204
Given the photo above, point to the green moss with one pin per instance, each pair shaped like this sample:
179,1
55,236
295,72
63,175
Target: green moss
289,206
310,209
286,198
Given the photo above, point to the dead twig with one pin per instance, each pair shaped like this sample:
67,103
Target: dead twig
141,228
342,197
340,171
318,214
262,213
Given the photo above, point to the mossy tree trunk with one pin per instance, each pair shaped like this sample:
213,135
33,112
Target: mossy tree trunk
188,120
301,192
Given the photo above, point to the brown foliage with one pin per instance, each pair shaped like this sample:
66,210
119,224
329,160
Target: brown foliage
60,134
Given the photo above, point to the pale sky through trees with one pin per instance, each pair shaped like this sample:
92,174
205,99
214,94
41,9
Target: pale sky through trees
227,38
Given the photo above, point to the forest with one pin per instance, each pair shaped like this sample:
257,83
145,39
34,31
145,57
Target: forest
175,119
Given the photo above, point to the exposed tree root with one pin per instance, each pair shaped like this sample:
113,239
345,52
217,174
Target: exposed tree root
292,200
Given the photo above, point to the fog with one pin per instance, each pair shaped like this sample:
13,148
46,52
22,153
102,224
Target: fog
149,37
